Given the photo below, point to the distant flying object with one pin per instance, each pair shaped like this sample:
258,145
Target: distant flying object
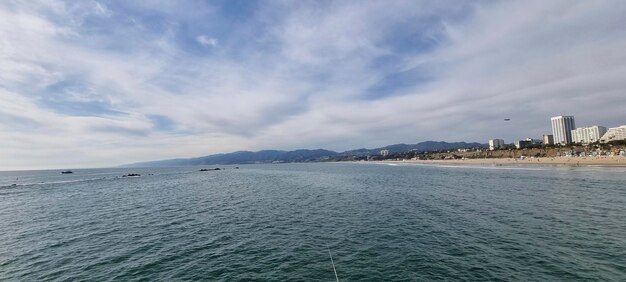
507,119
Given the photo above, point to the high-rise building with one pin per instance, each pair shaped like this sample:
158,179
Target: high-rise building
614,134
562,127
496,144
548,139
586,135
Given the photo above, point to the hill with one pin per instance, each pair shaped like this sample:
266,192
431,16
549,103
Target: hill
244,157
302,155
427,146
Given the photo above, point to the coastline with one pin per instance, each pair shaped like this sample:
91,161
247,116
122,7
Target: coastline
609,161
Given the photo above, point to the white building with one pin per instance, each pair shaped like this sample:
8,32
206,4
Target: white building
520,144
384,153
548,139
586,135
496,144
562,127
613,134
534,141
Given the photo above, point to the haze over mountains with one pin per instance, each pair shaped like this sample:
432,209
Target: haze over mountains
301,155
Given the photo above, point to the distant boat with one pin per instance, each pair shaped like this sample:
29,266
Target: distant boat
66,172
507,119
210,169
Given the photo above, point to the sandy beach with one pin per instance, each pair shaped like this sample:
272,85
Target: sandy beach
566,161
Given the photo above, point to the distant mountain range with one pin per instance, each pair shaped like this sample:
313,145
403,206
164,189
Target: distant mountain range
270,156
426,146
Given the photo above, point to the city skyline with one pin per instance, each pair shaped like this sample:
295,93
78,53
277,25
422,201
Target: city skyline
92,84
565,132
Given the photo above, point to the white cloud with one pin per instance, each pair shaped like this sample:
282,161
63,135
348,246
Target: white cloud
303,80
207,41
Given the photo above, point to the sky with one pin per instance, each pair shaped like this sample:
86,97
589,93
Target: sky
105,83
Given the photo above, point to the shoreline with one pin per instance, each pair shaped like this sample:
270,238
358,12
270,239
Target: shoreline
603,161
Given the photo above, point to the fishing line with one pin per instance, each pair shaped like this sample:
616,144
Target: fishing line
332,262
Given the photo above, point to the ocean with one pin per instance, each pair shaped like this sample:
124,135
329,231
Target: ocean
278,222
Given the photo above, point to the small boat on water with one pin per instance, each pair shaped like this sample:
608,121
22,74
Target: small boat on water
66,172
210,169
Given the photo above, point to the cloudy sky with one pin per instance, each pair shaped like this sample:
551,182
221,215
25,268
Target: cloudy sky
101,83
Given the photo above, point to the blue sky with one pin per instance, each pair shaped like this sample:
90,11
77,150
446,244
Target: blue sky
100,83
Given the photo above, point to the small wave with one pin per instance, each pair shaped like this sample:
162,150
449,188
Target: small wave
474,166
16,185
477,166
495,167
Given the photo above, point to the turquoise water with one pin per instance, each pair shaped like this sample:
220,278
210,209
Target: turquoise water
275,223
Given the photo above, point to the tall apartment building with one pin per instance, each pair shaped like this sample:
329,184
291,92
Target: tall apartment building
496,144
614,134
562,127
586,135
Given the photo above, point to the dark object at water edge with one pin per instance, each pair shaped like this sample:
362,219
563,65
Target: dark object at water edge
209,169
66,172
131,175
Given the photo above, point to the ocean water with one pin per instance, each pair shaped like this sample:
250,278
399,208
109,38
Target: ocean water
278,222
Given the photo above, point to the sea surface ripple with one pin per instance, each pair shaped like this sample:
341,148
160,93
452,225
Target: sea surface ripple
277,223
